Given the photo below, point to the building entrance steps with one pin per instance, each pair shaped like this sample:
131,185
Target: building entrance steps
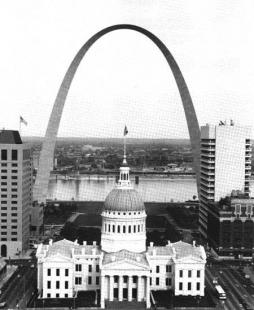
125,305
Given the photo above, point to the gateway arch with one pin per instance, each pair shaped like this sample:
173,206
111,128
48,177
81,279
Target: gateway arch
46,157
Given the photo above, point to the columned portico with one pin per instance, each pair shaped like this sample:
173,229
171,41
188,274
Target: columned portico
111,288
139,288
102,292
148,304
120,297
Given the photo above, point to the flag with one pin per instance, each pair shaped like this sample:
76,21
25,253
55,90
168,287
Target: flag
22,120
125,131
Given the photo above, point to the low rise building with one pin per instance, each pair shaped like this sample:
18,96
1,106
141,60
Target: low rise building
231,226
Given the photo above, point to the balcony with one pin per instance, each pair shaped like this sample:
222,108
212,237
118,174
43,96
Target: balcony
248,155
248,161
247,168
209,161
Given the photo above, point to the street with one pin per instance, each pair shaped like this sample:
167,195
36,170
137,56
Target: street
234,284
21,285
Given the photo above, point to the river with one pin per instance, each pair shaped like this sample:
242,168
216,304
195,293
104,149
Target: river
150,189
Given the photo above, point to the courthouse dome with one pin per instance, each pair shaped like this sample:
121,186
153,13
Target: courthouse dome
124,199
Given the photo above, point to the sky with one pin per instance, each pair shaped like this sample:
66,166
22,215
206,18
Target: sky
124,78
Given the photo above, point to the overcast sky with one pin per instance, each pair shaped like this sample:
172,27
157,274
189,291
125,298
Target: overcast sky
124,78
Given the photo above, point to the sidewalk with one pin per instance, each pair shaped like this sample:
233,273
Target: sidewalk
10,271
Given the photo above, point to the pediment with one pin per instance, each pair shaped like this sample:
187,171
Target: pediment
125,265
57,259
189,260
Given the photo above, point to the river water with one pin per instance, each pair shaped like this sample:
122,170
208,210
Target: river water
151,190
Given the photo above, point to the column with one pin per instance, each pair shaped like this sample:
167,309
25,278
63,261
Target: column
139,289
148,304
102,292
130,288
111,288
120,289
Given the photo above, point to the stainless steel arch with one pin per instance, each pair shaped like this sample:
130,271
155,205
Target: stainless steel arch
46,157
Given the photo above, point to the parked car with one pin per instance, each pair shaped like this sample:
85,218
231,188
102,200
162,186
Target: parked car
2,304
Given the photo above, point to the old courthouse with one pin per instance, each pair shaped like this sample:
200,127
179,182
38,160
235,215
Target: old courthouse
122,267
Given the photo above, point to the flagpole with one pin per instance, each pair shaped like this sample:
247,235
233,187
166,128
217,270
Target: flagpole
19,127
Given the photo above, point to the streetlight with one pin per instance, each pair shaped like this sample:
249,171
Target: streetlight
43,303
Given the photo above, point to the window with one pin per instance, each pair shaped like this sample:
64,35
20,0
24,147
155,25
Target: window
66,284
57,295
124,229
157,269
4,171
89,268
97,268
78,267
189,273
168,282
129,229
14,165
238,208
198,286
14,208
4,165
118,229
4,202
49,284
66,272
180,273
3,154
14,233
115,279
3,196
3,221
14,202
3,214
198,273
57,284
151,281
180,286
14,171
249,209
14,214
49,272
14,177
3,183
125,279
89,280
97,280
14,183
14,227
3,239
14,196
135,279
189,286
3,227
78,280
4,208
4,177
14,189
157,281
48,295
14,221
66,295
14,154
57,272
113,228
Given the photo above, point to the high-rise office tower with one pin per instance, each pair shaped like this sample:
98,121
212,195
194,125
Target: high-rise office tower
225,164
16,194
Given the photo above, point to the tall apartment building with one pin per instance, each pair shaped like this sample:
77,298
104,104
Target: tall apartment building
16,194
225,165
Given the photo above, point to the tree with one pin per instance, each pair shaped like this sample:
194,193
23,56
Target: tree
69,231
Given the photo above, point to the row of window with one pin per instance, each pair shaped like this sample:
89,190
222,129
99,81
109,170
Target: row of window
189,273
168,268
189,286
13,202
5,189
13,177
5,221
4,154
12,196
12,214
57,295
168,281
78,281
78,268
125,229
4,233
12,239
5,165
12,208
5,171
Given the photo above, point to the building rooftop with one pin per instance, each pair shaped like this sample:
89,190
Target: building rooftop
10,137
125,255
